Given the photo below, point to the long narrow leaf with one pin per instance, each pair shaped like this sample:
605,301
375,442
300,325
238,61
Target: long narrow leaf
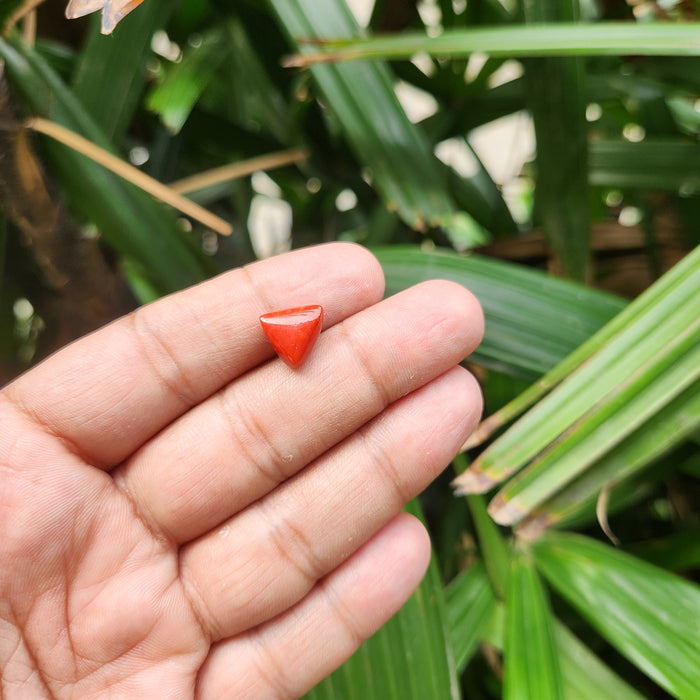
650,164
596,39
532,320
629,342
679,551
175,96
480,196
111,71
135,224
584,675
470,604
557,100
531,658
631,404
649,615
632,314
252,93
362,98
495,553
669,427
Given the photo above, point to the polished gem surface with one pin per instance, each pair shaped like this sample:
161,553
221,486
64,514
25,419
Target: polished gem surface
293,332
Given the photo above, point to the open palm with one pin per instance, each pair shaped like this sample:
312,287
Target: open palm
183,518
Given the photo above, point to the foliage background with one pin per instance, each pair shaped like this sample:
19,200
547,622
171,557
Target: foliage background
542,605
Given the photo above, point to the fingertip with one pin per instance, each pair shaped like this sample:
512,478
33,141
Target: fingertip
476,316
461,302
395,561
311,639
455,313
362,266
344,277
472,400
414,537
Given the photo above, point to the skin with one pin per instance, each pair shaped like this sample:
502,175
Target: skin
184,516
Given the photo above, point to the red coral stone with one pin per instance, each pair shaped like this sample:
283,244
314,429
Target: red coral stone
293,332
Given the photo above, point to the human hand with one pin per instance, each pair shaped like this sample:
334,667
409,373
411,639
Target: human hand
182,518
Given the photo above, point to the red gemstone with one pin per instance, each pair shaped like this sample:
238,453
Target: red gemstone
293,332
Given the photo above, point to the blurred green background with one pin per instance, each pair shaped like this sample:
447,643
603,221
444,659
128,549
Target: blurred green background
544,154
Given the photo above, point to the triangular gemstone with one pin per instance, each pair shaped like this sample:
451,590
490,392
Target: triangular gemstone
293,332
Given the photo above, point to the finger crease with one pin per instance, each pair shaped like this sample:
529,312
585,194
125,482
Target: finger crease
205,617
179,386
383,463
357,352
258,291
343,615
232,406
17,404
142,514
270,670
288,538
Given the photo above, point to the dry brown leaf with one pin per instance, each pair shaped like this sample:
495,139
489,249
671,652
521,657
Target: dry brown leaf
113,11
14,12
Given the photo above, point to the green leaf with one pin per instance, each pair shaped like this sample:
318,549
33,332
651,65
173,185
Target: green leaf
134,223
396,153
684,114
531,666
636,341
664,431
480,196
493,548
631,402
649,615
251,94
408,658
650,164
175,96
470,604
556,89
533,320
111,70
556,39
584,675
681,550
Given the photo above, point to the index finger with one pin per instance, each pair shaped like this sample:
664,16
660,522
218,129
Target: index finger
111,391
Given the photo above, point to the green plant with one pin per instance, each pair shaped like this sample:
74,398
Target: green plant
612,388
